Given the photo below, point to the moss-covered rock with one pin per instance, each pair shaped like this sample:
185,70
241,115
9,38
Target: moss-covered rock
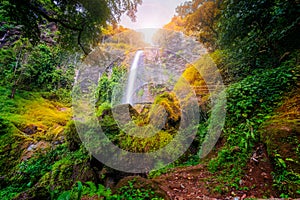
72,137
142,145
171,105
67,171
11,148
34,193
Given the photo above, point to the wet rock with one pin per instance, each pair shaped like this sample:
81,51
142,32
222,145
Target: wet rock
58,142
31,147
34,193
41,146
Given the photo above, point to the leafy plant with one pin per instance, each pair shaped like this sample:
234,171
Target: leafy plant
41,67
257,34
130,192
108,82
30,171
87,189
250,102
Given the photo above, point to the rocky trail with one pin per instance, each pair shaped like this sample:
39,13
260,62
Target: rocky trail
196,182
185,183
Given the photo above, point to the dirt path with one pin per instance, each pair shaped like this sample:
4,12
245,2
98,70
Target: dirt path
185,183
196,182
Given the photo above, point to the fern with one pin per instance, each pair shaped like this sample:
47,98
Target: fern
65,196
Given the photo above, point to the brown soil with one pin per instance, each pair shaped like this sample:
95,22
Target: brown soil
258,178
197,182
185,183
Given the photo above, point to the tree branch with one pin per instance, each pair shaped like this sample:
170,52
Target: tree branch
50,19
44,14
79,43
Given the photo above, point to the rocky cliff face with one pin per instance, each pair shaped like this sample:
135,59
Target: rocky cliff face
9,35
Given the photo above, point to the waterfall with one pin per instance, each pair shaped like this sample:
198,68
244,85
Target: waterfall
132,77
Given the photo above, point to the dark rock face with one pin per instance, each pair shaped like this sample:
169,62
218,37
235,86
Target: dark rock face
31,129
113,177
9,36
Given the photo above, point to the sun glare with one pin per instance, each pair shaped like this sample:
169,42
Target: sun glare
152,14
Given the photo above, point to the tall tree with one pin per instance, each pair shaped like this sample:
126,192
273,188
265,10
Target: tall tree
260,33
176,24
201,18
79,21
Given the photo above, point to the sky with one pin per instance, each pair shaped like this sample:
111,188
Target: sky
152,14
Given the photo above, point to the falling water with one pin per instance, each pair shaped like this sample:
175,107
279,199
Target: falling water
132,77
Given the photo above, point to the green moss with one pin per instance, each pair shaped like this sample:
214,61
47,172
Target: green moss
28,110
25,120
103,108
109,126
171,105
147,144
281,134
64,173
60,174
5,126
10,151
72,137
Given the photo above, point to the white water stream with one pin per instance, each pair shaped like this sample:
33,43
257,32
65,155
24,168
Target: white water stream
132,77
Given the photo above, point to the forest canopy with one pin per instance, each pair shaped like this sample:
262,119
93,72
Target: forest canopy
249,34
79,22
40,40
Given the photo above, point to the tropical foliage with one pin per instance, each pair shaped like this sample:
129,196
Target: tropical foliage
78,22
254,44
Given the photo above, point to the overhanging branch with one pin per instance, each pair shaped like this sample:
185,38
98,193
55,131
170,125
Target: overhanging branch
51,19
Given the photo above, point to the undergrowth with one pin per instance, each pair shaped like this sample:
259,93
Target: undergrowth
91,190
250,102
27,120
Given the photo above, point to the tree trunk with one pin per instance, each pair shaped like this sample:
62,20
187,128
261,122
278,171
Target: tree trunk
13,91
